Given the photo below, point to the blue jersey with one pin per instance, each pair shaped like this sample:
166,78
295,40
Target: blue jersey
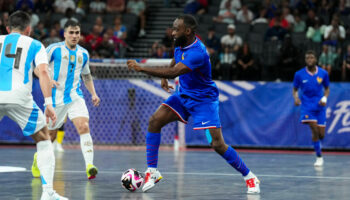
311,86
196,84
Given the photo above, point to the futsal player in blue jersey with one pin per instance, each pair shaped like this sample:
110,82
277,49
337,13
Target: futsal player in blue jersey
313,82
197,96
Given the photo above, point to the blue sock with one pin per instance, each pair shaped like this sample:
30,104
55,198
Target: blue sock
232,157
152,147
317,147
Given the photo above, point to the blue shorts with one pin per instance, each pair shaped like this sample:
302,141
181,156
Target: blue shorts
205,114
318,116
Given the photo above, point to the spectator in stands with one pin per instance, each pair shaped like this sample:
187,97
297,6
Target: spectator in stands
120,30
115,6
327,7
286,15
25,5
94,39
245,15
327,59
99,24
168,41
344,7
270,8
82,42
53,38
261,18
334,33
3,23
277,32
7,5
138,8
287,64
213,46
282,21
62,5
196,7
315,33
40,32
303,6
119,45
230,44
68,16
228,11
299,25
245,64
311,18
97,6
106,48
43,6
158,51
346,65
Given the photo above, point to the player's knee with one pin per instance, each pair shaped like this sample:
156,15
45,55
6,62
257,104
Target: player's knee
218,146
83,127
153,122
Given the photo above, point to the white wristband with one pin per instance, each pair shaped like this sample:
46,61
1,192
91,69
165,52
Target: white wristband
324,99
48,101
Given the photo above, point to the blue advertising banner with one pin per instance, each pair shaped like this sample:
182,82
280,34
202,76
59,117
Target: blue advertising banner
253,114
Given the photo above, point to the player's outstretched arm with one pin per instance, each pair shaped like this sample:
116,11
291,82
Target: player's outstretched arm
45,85
170,72
89,83
297,101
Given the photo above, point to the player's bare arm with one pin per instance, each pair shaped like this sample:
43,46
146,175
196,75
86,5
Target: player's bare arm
164,82
89,83
170,72
45,84
297,101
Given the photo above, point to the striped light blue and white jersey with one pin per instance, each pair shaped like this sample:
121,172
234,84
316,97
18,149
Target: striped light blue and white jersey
66,66
19,56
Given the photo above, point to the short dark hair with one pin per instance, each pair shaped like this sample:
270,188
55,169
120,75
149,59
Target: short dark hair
72,23
189,21
19,20
308,52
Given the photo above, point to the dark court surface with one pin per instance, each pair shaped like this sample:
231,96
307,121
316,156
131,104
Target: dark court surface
187,175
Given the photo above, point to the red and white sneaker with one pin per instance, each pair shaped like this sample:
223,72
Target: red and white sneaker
152,177
253,183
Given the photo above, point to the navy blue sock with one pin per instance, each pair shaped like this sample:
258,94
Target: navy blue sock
232,157
152,148
317,147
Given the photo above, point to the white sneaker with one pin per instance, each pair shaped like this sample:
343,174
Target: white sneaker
253,183
319,162
142,33
151,178
52,196
57,147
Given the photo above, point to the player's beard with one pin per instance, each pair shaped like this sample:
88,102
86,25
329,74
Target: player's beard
180,41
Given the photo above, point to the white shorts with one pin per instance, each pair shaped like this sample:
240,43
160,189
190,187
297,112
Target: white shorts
76,108
31,120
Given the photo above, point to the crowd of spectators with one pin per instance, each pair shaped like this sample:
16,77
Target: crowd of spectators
104,39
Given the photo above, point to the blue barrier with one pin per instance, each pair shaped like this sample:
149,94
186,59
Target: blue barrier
252,114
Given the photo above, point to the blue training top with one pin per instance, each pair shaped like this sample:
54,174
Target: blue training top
196,84
311,86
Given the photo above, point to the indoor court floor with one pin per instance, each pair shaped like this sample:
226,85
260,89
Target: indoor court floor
192,174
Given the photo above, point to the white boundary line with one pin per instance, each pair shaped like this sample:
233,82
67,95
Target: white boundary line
214,174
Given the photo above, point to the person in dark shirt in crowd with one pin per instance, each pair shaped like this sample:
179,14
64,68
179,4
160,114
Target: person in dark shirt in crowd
245,64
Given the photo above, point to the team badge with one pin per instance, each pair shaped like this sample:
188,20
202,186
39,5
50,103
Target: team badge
182,56
306,116
319,80
72,58
80,59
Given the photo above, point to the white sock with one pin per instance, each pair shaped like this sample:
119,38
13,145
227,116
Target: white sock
46,164
249,175
87,148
